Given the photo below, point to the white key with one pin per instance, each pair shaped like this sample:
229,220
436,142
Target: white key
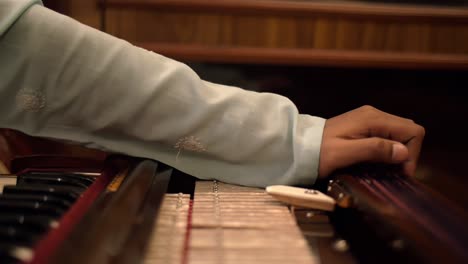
7,180
3,168
302,197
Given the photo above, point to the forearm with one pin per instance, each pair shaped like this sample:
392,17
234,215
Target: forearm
64,80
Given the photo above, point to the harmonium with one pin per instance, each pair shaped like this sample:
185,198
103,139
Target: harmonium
120,209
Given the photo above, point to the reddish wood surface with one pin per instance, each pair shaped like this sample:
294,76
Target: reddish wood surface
301,8
354,59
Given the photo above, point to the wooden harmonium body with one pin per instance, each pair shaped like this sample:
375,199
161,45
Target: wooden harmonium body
57,209
386,217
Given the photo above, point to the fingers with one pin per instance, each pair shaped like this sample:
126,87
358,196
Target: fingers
408,133
371,122
370,135
370,150
387,126
414,149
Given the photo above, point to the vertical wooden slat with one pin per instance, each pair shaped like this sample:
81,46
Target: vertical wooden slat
325,36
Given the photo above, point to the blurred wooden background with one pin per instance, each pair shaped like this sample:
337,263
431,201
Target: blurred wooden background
409,58
296,32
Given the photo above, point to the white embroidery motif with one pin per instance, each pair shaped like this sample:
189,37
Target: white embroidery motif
189,143
30,100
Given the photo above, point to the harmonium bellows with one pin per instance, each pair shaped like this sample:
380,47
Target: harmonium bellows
127,210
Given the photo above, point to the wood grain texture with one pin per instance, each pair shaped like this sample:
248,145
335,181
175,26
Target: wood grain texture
297,25
285,32
15,144
304,57
301,8
85,11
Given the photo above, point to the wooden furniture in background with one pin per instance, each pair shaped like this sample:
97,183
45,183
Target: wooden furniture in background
14,144
84,11
406,60
327,57
351,34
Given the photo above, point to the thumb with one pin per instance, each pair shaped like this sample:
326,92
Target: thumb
365,150
379,150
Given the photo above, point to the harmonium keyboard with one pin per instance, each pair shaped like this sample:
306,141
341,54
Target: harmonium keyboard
56,209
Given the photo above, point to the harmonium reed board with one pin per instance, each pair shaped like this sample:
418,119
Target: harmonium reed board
227,224
71,210
127,210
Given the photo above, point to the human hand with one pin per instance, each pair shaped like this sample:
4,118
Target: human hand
367,134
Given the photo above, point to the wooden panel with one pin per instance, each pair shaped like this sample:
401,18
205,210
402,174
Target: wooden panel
373,36
301,8
304,57
84,11
15,144
298,25
285,32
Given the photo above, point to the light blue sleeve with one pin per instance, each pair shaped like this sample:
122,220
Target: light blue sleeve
64,80
11,10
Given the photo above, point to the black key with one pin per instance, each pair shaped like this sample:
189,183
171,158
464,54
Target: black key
49,199
30,207
20,234
69,194
87,180
17,236
33,222
61,180
50,181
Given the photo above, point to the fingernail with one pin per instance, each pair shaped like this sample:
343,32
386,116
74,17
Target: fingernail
399,152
